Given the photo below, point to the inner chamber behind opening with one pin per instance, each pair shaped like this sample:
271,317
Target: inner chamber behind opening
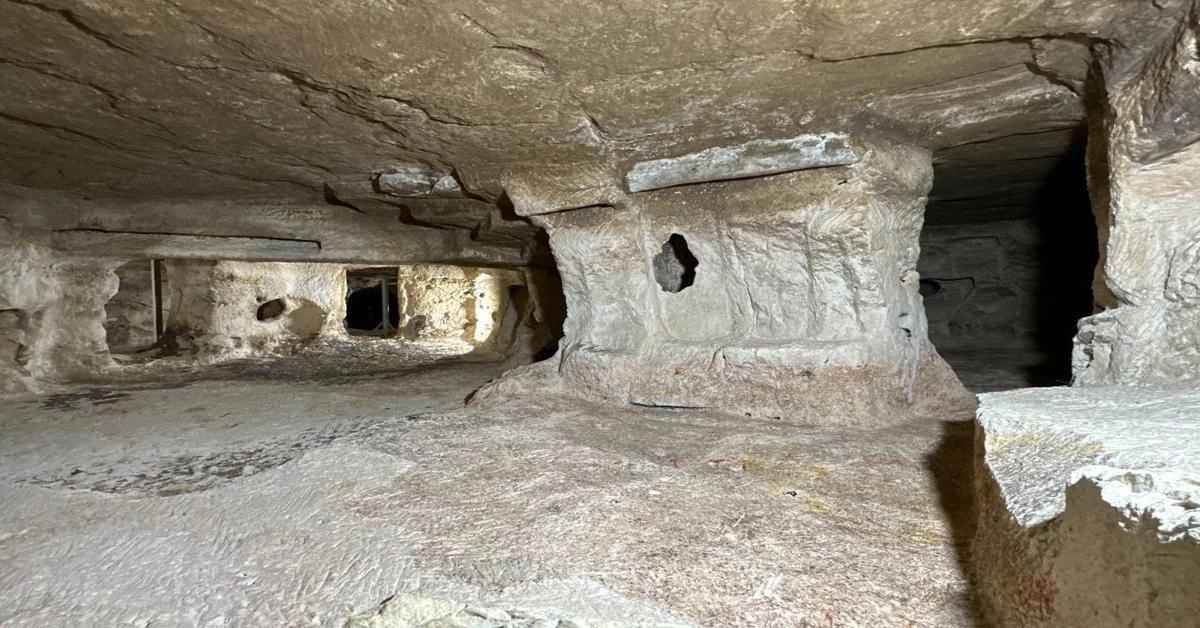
1008,254
372,305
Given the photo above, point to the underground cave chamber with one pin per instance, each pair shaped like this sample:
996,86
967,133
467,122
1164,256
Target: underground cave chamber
726,314
180,310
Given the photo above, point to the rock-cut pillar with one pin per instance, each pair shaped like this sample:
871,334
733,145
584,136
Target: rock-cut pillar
1145,162
789,295
52,317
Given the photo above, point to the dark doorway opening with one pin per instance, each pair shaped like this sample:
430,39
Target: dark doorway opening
372,304
135,315
1007,259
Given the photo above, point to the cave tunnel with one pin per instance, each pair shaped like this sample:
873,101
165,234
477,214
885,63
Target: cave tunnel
1008,252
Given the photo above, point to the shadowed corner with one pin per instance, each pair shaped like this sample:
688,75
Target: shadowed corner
952,466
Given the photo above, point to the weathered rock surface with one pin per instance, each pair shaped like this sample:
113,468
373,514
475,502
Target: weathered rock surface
216,306
1090,507
980,284
129,315
374,231
734,194
1090,496
61,319
51,315
753,159
1145,192
781,296
274,99
579,603
260,501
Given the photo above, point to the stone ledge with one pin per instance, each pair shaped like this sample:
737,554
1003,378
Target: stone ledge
1090,506
755,158
1039,440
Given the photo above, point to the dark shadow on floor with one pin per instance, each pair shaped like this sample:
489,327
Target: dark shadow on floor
952,467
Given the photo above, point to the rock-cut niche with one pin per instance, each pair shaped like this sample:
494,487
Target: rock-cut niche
675,266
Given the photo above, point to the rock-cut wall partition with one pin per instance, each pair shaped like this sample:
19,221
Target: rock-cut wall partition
792,295
221,308
1089,509
1145,156
62,318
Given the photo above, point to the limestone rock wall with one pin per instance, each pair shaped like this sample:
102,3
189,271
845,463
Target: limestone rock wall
24,292
223,310
71,340
1089,507
474,305
796,291
216,305
61,318
1145,162
1089,511
51,316
129,322
980,283
439,301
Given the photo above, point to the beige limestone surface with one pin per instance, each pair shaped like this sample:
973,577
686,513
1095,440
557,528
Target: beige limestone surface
1089,506
310,498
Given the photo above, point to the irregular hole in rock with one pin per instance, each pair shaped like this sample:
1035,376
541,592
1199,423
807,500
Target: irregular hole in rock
675,266
930,287
372,304
270,310
1008,253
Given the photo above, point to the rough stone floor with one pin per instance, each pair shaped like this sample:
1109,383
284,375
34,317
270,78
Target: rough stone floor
253,500
991,370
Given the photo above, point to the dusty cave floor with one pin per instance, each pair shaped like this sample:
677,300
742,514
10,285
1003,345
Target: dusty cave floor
256,500
991,369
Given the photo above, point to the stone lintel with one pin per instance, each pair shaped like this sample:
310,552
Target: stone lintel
180,246
563,188
755,158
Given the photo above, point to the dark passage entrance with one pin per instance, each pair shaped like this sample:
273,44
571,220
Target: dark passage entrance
372,305
134,316
1007,257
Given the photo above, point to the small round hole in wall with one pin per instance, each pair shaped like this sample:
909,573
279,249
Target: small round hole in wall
675,266
271,310
930,287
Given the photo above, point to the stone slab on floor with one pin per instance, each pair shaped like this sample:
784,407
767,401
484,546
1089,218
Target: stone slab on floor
1090,506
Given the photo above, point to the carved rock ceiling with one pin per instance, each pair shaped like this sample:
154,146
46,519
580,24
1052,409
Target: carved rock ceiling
289,99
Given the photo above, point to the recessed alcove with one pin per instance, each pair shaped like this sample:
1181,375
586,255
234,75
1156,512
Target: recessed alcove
372,305
1008,253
